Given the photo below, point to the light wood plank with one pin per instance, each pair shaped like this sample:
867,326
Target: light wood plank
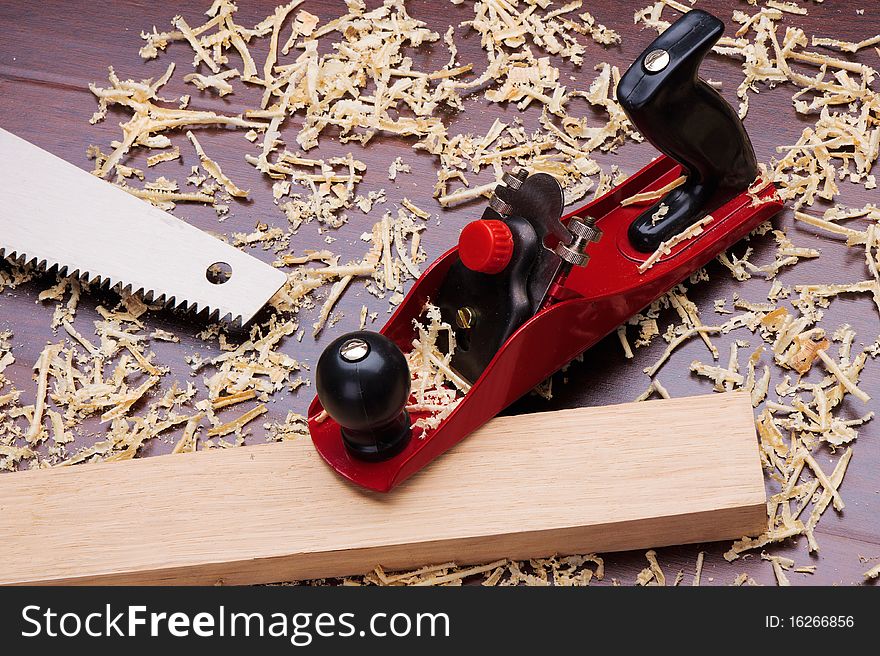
602,479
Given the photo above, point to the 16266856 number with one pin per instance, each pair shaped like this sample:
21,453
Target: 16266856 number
821,621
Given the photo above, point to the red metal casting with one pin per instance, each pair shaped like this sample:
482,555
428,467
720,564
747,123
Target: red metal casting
588,305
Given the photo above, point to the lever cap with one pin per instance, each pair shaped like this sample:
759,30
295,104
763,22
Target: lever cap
363,382
485,246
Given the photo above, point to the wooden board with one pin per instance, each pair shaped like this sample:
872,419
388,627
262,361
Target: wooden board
572,481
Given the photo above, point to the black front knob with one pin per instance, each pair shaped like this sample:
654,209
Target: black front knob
363,382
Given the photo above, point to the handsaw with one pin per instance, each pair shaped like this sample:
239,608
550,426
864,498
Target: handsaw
59,217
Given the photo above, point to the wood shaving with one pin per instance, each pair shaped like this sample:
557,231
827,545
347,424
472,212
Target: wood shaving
397,166
436,389
835,369
689,314
653,574
294,427
823,479
215,171
829,494
218,82
678,341
149,119
238,423
846,46
624,342
719,375
650,196
166,156
665,248
559,570
699,569
775,535
164,195
188,442
48,354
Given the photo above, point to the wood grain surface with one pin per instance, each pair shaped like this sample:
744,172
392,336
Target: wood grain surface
198,518
51,50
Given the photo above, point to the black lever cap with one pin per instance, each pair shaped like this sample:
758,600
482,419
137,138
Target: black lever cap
363,382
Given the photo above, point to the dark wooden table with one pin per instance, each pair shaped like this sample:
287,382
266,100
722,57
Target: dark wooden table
51,50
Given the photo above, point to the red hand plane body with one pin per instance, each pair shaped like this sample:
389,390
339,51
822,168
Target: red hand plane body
538,287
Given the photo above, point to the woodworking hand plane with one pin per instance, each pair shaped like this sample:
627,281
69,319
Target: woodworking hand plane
528,288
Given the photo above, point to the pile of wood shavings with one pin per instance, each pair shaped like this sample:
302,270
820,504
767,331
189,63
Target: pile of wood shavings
436,388
368,85
559,570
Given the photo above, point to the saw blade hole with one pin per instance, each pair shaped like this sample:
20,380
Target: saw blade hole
218,273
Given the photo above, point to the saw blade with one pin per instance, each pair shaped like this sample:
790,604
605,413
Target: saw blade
57,215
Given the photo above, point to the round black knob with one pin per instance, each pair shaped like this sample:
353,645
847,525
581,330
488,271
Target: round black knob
363,382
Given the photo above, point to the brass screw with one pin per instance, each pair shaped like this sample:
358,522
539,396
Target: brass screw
464,318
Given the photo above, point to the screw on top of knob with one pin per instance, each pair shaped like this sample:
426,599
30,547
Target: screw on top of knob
486,246
363,382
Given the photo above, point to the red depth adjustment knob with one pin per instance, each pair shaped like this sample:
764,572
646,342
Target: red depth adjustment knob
485,246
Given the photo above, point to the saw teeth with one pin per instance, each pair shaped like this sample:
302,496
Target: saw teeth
99,282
